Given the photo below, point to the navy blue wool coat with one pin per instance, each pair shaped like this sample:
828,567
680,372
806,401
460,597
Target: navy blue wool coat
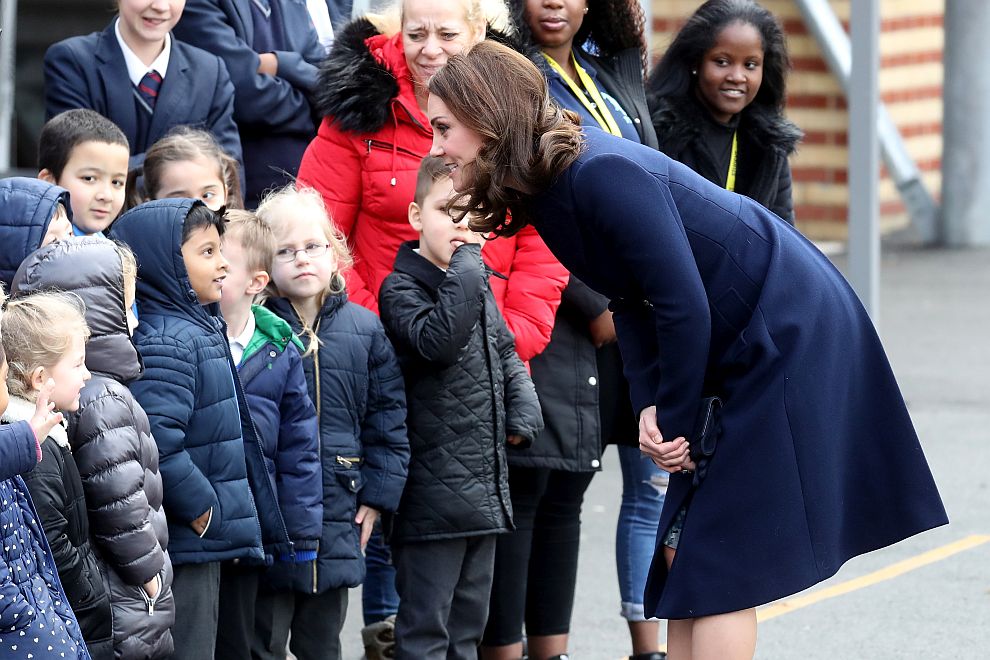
713,295
210,455
355,383
275,385
89,71
26,209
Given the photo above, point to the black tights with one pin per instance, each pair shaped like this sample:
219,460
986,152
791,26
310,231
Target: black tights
546,507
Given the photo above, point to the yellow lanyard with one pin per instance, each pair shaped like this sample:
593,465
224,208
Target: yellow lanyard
596,106
730,178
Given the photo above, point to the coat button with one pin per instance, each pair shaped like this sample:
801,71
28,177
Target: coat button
272,354
592,381
636,120
596,463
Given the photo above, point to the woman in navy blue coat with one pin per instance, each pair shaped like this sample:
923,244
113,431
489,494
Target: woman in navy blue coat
817,460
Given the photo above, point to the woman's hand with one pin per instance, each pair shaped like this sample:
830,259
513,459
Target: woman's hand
673,456
366,517
602,329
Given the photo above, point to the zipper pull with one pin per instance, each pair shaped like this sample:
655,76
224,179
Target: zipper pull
368,142
343,461
151,607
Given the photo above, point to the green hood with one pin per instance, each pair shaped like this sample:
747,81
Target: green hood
269,328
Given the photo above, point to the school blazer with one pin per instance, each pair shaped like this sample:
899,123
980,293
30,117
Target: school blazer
90,72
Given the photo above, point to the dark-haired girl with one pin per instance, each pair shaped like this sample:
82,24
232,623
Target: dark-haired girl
717,99
591,53
815,461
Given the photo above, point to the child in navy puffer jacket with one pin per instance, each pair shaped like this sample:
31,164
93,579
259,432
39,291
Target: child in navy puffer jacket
355,382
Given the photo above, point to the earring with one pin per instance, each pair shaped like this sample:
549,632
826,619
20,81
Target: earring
585,10
694,72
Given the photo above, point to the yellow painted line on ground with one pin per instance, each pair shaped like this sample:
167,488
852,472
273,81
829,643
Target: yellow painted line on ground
892,571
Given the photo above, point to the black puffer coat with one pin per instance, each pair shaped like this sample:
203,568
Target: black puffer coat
765,142
466,391
113,447
57,492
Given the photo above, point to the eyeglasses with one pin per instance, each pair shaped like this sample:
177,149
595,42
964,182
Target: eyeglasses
312,250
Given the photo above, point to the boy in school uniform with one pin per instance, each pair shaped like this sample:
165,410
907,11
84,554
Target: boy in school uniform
272,50
87,154
219,500
141,78
468,394
267,356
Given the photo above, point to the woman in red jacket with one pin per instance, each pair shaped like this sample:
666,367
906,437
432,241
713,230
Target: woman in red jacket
373,136
364,161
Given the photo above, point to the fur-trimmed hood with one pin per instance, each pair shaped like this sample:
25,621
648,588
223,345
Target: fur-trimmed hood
676,122
366,72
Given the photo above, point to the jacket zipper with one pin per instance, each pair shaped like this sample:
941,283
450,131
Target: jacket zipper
151,601
319,437
379,144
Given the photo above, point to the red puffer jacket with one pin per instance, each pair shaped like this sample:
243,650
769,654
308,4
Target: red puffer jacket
364,162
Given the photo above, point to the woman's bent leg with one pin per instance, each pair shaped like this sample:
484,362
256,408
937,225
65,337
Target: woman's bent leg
730,636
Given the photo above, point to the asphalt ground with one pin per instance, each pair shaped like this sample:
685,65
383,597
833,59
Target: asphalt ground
926,597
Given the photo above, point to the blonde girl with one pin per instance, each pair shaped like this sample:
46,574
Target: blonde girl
44,338
356,386
188,162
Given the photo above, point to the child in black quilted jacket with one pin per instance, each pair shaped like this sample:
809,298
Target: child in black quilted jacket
467,395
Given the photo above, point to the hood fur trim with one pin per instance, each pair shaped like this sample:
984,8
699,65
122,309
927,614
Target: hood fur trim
22,410
354,87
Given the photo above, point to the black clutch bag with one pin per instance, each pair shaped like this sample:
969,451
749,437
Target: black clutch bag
704,437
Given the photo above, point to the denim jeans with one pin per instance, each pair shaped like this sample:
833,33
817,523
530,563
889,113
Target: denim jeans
643,488
379,599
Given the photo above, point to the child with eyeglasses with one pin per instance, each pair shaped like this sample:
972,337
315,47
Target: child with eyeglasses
356,385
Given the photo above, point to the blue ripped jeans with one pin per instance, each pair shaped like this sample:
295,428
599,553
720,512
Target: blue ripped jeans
643,488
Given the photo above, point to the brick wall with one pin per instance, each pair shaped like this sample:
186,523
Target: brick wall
911,42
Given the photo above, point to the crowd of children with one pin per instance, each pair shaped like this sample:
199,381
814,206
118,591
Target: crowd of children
203,432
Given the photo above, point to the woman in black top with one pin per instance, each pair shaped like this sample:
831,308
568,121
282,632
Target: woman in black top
717,98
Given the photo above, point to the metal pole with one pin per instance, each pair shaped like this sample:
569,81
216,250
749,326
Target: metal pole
864,155
834,42
965,165
8,37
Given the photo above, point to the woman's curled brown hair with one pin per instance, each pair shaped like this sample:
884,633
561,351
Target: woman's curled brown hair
527,139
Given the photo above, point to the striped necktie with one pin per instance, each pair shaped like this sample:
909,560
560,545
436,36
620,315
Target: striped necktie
149,86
